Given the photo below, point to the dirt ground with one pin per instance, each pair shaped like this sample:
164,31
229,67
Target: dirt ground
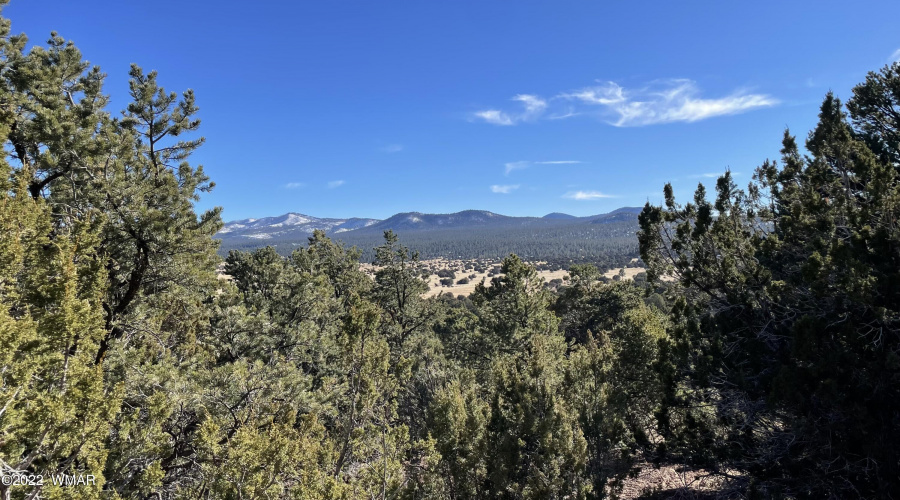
671,482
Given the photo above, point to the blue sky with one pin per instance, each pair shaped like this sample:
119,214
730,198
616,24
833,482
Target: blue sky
368,108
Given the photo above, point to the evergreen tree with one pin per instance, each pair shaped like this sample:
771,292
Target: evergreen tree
612,379
875,112
458,423
535,447
55,407
417,360
789,325
513,309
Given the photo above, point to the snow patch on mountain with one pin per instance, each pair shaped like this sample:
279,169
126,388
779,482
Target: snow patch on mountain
288,226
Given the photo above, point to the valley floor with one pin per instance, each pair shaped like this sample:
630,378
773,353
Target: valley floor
474,271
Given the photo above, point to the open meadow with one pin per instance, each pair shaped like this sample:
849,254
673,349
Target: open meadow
460,277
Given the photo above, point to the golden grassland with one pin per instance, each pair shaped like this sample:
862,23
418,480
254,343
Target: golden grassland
475,277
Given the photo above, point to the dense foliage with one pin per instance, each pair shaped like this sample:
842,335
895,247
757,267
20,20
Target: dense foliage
787,317
770,360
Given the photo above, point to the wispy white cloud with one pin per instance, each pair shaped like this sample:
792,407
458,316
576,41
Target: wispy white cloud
521,165
516,165
712,175
392,148
607,95
504,189
495,117
563,115
895,57
665,102
533,106
662,101
586,195
294,185
334,184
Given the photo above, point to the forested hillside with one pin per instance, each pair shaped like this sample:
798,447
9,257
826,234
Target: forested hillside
607,245
762,352
607,240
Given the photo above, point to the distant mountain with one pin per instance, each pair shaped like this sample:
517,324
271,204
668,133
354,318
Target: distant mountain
353,223
299,226
559,215
466,234
418,221
604,240
624,214
287,226
627,210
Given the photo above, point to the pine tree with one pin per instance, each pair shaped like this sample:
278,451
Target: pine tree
788,323
875,112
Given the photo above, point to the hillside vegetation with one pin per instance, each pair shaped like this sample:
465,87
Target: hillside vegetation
608,240
761,352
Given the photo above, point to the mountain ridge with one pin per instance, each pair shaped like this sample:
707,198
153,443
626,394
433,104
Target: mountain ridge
559,215
289,224
299,225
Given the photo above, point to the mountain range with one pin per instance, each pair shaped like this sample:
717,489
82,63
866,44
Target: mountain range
606,240
287,225
296,226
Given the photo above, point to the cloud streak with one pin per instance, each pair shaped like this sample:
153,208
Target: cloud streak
504,189
673,101
895,57
522,165
664,101
392,148
335,184
712,175
294,185
533,107
586,195
495,117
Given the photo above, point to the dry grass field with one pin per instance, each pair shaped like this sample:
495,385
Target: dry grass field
466,269
474,277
